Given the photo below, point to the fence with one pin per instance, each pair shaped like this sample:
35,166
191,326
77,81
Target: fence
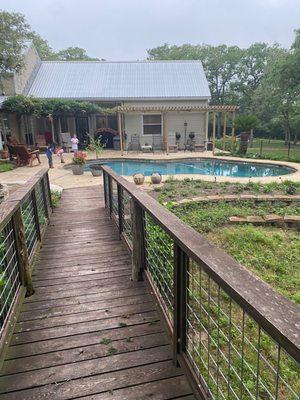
23,220
234,336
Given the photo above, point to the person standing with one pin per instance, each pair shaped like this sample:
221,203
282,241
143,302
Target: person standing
49,153
74,142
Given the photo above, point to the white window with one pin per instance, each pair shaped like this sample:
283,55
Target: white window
152,124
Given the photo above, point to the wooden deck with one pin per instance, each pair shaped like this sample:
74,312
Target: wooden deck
88,332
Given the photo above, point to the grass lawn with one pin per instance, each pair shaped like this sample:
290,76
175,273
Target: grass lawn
271,253
5,166
271,150
176,190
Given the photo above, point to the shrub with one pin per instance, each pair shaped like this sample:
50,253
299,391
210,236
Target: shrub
79,158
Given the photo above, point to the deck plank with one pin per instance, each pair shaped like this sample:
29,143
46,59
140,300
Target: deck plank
88,332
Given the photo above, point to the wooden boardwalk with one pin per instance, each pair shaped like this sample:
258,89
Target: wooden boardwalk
88,332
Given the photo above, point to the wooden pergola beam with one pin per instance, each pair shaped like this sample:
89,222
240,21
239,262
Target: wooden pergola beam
165,108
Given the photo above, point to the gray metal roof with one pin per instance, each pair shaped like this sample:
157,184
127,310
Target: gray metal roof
93,80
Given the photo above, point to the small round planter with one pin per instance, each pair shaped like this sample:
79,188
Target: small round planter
96,170
139,179
77,169
156,178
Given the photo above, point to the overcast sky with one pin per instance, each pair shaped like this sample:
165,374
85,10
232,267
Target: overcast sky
124,29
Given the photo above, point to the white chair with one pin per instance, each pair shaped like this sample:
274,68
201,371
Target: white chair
173,148
66,141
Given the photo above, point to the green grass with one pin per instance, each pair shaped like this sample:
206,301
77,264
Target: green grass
6,166
180,189
273,254
55,198
271,150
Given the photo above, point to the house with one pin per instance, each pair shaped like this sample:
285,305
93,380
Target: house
153,99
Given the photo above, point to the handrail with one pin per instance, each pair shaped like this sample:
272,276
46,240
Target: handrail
23,221
274,314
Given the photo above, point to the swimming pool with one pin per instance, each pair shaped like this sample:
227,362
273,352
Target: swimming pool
202,167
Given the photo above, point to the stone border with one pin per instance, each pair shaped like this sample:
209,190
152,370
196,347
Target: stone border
292,221
239,197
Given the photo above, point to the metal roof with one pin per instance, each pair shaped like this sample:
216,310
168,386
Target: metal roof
93,80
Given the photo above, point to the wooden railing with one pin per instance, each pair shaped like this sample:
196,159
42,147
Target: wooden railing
233,334
23,219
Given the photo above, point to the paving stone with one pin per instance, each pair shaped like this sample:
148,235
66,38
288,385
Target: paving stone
237,220
255,219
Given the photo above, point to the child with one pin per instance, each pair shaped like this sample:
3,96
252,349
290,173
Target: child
49,153
60,153
74,142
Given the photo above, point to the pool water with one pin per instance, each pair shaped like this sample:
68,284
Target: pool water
203,167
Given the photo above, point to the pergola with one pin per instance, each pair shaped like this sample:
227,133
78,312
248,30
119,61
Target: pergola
226,110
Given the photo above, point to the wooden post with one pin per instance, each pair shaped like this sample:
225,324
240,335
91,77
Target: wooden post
120,132
120,208
43,182
180,288
232,132
214,132
52,128
165,132
36,215
22,254
138,247
224,129
59,131
206,125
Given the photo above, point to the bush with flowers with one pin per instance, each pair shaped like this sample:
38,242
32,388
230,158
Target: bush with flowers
79,158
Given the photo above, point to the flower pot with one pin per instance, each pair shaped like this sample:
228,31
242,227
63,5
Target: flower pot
156,178
4,154
96,170
77,169
139,179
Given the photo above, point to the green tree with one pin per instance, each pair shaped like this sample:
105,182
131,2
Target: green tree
13,34
74,54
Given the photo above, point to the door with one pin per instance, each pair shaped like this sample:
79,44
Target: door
82,129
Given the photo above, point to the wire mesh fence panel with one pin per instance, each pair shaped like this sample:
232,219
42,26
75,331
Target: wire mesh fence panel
31,236
231,354
9,273
159,253
126,213
114,199
41,206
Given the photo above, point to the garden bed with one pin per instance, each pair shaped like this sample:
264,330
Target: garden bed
272,253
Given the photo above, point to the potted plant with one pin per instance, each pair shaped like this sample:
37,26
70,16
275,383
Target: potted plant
192,135
96,170
245,123
97,146
4,153
78,162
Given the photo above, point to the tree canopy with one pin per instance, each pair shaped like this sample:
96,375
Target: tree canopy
15,33
261,79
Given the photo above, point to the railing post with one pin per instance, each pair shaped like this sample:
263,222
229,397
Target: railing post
22,254
109,194
36,215
49,190
138,241
180,301
43,183
120,208
104,177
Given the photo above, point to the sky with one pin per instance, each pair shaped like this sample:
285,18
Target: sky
125,29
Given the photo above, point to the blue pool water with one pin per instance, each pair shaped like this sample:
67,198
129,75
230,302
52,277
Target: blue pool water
203,167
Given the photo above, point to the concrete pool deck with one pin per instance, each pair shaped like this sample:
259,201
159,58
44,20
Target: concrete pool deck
61,175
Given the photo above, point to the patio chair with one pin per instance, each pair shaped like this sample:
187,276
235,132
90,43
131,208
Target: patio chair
156,142
66,141
40,142
199,144
24,156
173,148
134,143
